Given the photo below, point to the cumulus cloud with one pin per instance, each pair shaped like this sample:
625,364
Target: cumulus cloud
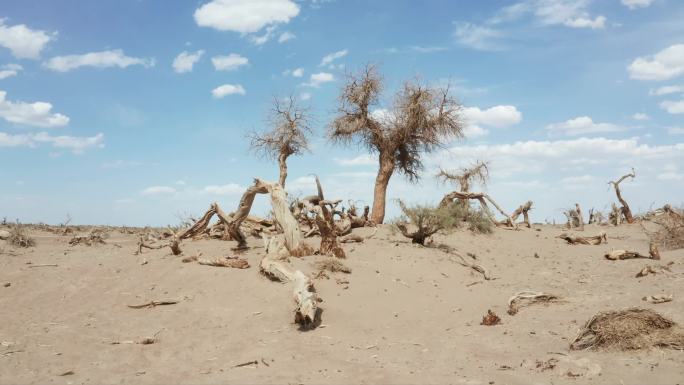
75,144
158,190
664,65
245,16
640,116
38,114
497,116
634,4
673,107
9,70
186,60
666,90
315,80
286,36
22,41
229,63
580,126
102,59
228,89
675,130
298,72
329,58
570,13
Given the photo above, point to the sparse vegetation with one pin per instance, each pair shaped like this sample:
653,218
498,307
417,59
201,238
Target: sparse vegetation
670,233
20,237
429,220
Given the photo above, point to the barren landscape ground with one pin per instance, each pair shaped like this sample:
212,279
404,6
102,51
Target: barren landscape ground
405,314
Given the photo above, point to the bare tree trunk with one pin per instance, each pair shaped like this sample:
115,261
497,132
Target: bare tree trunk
626,211
233,224
381,182
282,164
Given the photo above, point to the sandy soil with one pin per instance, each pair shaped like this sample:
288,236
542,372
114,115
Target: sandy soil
406,315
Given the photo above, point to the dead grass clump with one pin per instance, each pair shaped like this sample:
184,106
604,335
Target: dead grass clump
629,329
20,237
527,298
333,265
96,237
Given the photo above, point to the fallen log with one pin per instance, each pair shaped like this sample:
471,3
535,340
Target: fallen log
576,240
527,298
615,255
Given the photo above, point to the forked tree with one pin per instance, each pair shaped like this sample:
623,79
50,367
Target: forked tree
291,127
464,178
419,121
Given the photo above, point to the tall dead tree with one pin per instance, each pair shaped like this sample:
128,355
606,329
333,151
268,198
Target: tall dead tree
420,119
464,178
625,210
291,127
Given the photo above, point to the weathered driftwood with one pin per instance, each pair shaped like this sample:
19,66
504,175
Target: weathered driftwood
576,240
575,218
463,262
527,298
279,249
152,304
625,254
595,217
357,238
624,210
233,262
524,210
482,198
326,227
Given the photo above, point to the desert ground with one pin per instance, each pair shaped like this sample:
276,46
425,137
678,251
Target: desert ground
405,314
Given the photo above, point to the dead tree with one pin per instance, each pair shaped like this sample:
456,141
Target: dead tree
425,220
524,210
419,121
482,198
624,210
463,179
289,135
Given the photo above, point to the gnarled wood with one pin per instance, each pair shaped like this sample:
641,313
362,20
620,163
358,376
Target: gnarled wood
626,211
574,240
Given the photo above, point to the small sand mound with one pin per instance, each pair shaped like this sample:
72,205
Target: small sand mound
332,265
629,329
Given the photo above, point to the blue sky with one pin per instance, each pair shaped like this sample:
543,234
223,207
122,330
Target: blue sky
131,112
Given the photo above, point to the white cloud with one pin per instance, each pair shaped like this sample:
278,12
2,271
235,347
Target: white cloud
640,116
23,42
675,130
75,144
361,160
228,89
297,72
186,60
245,16
286,36
666,90
121,164
305,96
497,116
315,80
32,114
260,40
226,189
102,59
9,70
673,107
229,63
570,13
580,126
671,173
158,190
634,4
329,58
474,131
478,37
666,64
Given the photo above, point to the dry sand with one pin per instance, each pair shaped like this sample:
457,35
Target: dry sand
406,315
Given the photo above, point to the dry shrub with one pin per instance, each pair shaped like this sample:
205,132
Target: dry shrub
629,329
332,265
490,319
20,237
670,234
428,220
